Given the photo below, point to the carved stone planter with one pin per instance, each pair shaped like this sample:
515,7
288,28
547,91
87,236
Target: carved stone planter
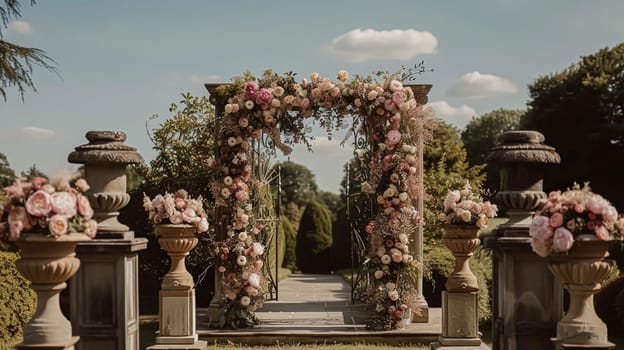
177,241
462,241
581,270
47,263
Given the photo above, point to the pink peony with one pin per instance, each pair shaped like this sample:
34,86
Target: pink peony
602,233
84,207
539,225
393,137
39,204
203,225
398,97
242,196
177,218
263,97
540,246
250,90
562,240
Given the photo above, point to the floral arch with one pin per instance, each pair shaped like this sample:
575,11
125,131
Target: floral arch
389,168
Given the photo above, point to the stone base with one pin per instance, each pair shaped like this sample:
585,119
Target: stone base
460,324
198,345
215,311
177,315
421,315
438,346
566,345
68,346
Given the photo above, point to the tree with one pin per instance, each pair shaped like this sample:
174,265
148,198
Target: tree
16,62
314,239
482,133
580,111
7,175
32,172
298,184
332,201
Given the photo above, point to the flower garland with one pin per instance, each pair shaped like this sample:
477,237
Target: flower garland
386,113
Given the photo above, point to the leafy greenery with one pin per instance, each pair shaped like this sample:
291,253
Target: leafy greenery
341,248
290,243
298,184
33,172
314,239
17,62
580,111
7,175
482,133
17,300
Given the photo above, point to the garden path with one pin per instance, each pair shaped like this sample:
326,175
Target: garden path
316,309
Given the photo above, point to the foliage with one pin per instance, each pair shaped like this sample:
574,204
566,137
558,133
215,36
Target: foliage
482,133
33,172
17,62
290,238
298,184
609,303
293,213
331,200
580,111
341,235
314,239
17,300
7,175
185,146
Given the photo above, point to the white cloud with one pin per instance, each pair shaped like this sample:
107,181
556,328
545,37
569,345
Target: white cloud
34,132
459,116
359,45
477,85
201,79
20,27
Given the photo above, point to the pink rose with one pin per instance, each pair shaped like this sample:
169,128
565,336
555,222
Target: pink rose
379,274
242,196
596,204
393,137
84,207
556,220
90,228
221,269
562,240
64,203
39,204
58,224
263,97
190,216
250,90
579,208
602,233
398,97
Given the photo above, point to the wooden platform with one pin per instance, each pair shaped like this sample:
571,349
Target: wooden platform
316,309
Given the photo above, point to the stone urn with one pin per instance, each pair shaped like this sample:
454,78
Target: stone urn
47,263
581,270
462,241
177,241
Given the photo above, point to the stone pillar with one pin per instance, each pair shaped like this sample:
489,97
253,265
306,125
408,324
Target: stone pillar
104,308
527,300
422,316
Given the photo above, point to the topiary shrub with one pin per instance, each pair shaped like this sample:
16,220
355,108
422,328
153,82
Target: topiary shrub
17,300
314,239
341,233
290,244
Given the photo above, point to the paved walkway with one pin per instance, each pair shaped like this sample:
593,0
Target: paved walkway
317,308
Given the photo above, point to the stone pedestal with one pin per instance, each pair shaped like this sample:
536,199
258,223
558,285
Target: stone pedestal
527,301
177,294
104,304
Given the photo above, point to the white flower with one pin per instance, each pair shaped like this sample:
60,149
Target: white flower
403,238
465,215
241,260
403,196
390,286
258,248
254,280
386,259
244,301
393,295
242,236
225,193
249,104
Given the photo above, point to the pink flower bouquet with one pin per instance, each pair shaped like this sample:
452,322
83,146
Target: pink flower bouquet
564,217
464,207
176,208
54,210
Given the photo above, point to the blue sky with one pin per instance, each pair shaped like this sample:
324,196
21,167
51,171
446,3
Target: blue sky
120,62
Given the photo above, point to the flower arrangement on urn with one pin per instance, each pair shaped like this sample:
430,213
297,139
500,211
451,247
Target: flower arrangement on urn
177,218
465,213
574,230
46,220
